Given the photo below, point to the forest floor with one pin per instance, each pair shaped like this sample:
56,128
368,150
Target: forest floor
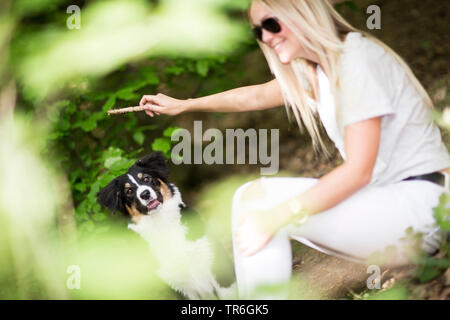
418,31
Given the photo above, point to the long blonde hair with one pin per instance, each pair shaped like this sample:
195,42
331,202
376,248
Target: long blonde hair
320,29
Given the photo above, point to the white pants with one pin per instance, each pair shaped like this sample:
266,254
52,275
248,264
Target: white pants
368,221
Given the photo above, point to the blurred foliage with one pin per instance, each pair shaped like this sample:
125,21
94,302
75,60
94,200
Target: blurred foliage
129,31
124,49
62,82
30,265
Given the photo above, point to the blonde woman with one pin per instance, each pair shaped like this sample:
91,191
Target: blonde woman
377,114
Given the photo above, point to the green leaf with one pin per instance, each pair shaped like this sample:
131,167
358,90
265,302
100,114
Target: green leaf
161,144
127,94
352,5
443,263
176,70
202,67
95,188
428,273
88,124
109,162
149,75
169,131
442,212
105,179
97,96
99,216
152,79
112,152
121,165
139,137
55,136
81,211
395,293
134,85
134,153
99,115
81,187
109,104
96,207
75,175
349,4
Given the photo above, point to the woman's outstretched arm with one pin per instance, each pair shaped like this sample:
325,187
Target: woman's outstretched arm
250,98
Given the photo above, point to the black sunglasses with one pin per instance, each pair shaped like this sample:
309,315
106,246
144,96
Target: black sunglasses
269,24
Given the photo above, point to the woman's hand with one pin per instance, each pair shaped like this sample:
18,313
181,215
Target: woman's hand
256,228
162,104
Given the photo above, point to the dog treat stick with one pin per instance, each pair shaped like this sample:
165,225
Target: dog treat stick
127,110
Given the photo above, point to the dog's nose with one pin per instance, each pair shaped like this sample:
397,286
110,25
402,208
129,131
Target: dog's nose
145,195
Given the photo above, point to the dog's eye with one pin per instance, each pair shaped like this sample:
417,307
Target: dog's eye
146,179
129,192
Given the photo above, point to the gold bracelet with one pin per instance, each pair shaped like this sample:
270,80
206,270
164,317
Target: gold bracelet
298,212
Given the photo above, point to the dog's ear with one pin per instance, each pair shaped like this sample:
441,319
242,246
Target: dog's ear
110,197
156,163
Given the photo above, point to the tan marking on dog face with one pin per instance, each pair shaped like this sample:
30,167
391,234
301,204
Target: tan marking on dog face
140,175
165,191
127,185
134,213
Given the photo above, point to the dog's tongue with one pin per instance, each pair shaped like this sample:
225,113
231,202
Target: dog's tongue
153,204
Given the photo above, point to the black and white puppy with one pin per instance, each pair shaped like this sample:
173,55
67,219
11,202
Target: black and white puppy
156,209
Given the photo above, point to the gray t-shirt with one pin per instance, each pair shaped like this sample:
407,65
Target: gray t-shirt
372,84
